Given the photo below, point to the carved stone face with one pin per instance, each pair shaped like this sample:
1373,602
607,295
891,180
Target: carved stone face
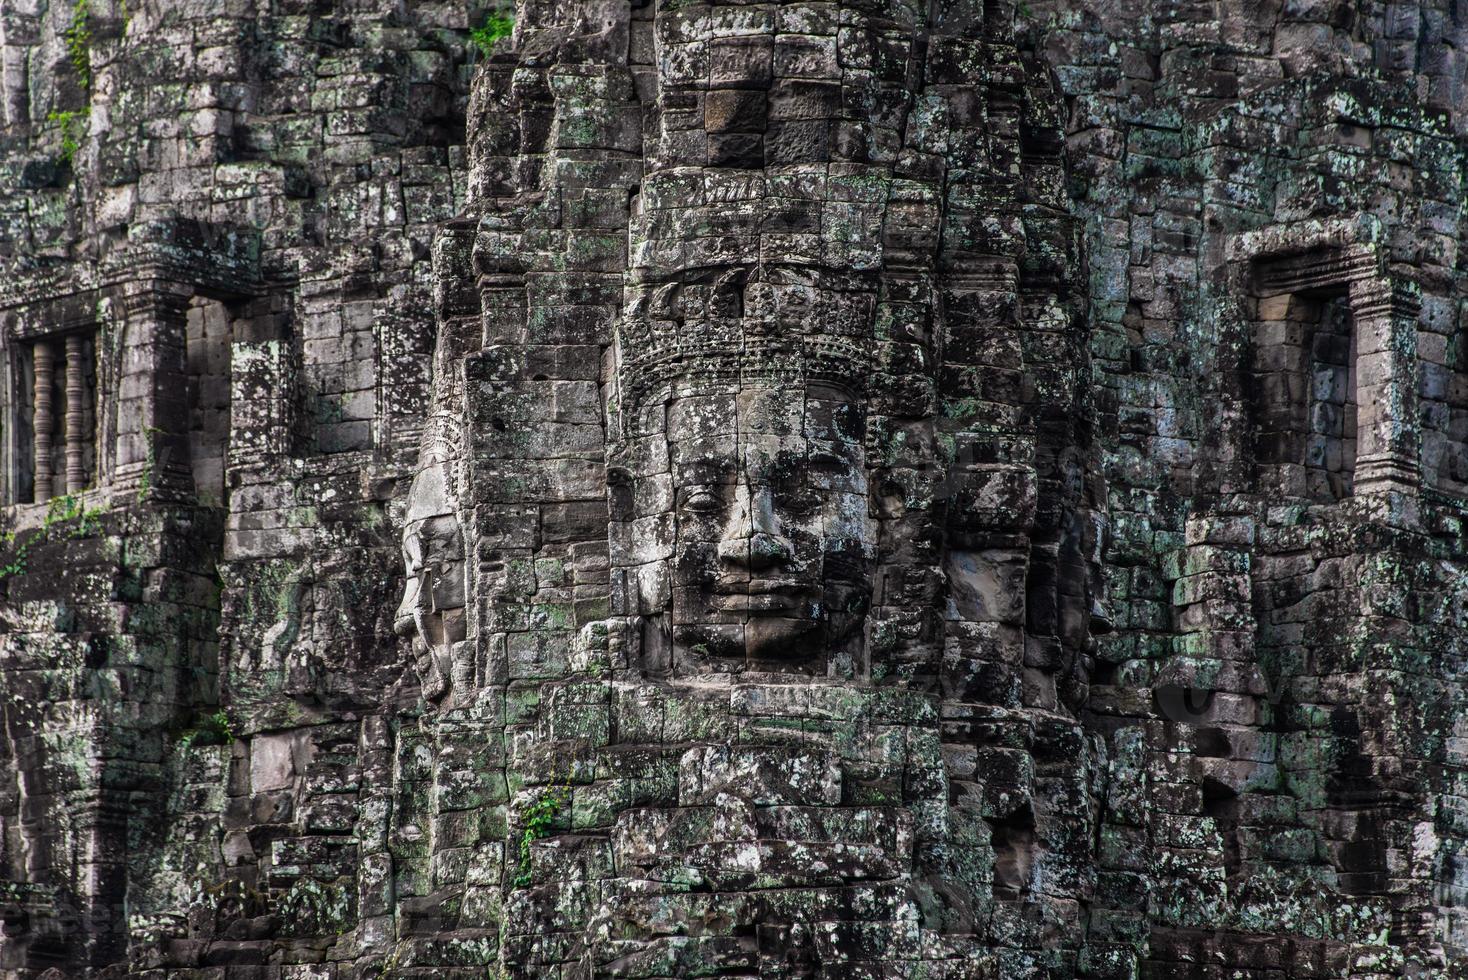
773,544
432,607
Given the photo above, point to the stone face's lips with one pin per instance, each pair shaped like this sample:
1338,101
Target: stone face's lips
760,586
763,596
760,603
770,603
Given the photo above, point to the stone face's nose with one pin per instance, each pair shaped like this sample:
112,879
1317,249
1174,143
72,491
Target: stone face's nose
752,541
768,551
405,619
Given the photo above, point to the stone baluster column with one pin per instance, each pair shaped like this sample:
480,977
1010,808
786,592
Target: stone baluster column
76,477
44,361
1387,447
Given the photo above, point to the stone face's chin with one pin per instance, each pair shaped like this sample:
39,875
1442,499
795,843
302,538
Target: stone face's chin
791,633
779,637
775,620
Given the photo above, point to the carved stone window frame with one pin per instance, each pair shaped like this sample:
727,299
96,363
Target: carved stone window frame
1346,256
58,320
137,303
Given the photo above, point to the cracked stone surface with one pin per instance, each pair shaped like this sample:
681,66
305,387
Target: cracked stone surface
670,488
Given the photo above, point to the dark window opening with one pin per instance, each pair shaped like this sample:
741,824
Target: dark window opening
1445,443
1330,450
1013,841
1305,395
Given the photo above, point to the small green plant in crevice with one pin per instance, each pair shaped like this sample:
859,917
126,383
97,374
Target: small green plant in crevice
73,125
496,27
16,565
210,729
59,510
539,817
150,463
69,507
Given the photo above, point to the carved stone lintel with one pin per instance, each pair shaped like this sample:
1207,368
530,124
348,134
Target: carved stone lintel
45,361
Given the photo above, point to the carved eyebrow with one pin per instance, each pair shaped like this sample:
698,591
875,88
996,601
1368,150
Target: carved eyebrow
711,461
706,469
788,471
413,546
824,459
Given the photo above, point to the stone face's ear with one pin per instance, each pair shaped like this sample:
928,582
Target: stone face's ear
726,297
620,493
663,304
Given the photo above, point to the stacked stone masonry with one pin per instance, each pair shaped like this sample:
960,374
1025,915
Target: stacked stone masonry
677,488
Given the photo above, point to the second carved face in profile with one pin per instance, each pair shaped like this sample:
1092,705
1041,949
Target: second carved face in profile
431,611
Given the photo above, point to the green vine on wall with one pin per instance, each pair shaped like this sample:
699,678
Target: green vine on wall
386,968
150,462
539,817
496,27
78,37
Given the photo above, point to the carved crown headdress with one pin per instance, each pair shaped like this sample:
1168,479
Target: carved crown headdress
726,329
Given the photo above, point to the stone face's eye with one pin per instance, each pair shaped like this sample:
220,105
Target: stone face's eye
827,462
800,501
702,500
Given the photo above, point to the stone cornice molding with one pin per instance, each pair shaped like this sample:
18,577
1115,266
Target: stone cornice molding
222,263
